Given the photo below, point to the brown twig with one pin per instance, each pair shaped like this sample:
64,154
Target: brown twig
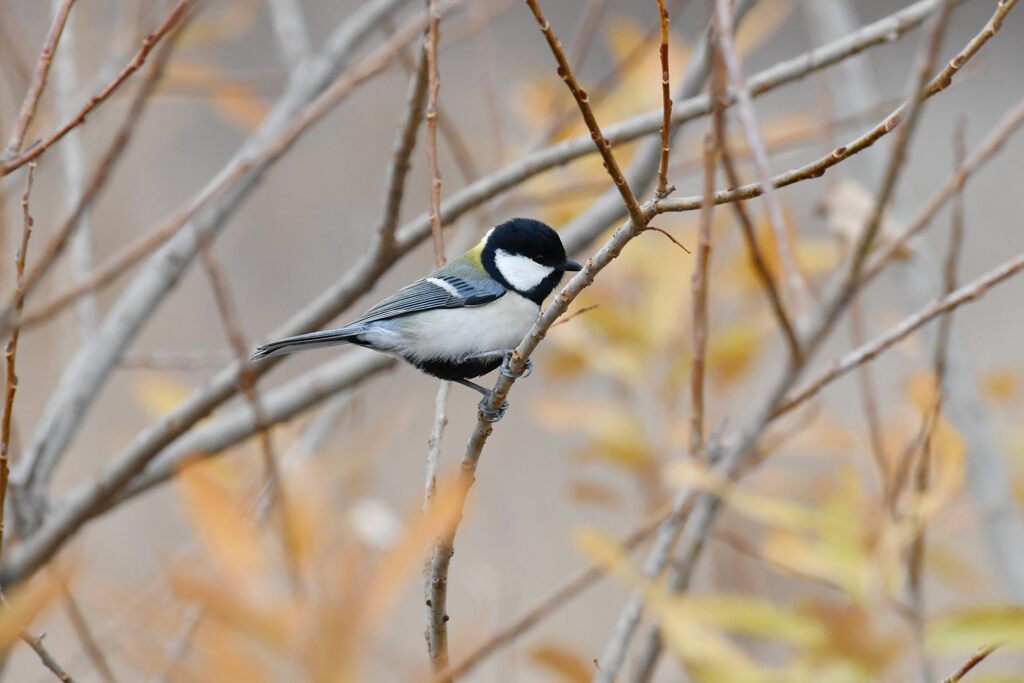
47,659
757,259
666,103
433,88
992,144
668,235
38,84
151,40
869,399
437,572
568,590
88,501
699,291
247,385
722,19
578,312
11,352
85,635
916,557
97,182
975,659
867,352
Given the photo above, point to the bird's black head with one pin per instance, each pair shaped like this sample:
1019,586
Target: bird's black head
526,256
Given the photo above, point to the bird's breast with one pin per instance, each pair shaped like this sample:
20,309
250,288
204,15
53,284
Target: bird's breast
452,333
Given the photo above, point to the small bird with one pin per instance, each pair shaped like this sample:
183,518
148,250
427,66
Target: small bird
464,319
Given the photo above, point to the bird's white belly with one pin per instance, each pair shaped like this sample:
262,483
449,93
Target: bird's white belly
453,333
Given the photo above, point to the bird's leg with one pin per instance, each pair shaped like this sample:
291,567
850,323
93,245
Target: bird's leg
507,371
485,410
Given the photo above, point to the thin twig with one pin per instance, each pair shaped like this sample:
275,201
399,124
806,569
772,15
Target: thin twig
722,17
338,296
437,574
137,61
757,258
975,659
153,284
666,102
557,598
247,384
434,443
73,157
289,26
699,289
869,399
86,502
433,88
11,352
47,659
916,557
38,84
81,626
97,182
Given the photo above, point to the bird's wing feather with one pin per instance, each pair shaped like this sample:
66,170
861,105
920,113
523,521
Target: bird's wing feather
439,291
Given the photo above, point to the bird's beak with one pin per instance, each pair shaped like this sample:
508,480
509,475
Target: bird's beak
571,265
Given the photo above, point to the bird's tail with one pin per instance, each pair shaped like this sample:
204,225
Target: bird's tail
302,342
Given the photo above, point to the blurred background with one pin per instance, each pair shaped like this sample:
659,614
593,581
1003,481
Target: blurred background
590,437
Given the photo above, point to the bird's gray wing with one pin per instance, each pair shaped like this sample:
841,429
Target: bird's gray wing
437,291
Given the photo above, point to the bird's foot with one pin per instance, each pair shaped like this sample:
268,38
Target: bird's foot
485,409
507,371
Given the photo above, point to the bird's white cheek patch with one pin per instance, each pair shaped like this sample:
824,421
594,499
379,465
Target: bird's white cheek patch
522,273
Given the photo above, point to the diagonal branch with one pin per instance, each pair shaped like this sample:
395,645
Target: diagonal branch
38,84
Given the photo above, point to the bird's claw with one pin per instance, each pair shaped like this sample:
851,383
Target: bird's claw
507,371
485,409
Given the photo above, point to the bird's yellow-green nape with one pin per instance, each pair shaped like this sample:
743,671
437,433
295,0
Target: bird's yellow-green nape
475,255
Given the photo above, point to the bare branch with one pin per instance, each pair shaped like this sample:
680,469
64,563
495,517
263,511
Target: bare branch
11,351
699,288
975,659
136,62
666,101
434,86
38,84
722,17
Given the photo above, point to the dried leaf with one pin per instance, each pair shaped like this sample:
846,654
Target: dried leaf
562,664
158,393
970,629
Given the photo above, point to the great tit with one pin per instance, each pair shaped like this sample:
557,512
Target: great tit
463,319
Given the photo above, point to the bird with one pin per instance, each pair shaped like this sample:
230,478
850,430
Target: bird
464,319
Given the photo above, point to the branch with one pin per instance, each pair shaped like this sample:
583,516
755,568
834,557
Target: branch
437,572
975,659
290,30
38,84
137,61
91,365
12,347
722,19
434,86
364,274
666,101
699,287
88,501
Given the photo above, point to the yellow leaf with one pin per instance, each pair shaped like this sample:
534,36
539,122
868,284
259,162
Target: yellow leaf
732,350
751,616
614,433
158,393
760,23
24,603
971,629
920,389
225,528
594,493
849,205
236,102
407,552
1001,386
562,664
